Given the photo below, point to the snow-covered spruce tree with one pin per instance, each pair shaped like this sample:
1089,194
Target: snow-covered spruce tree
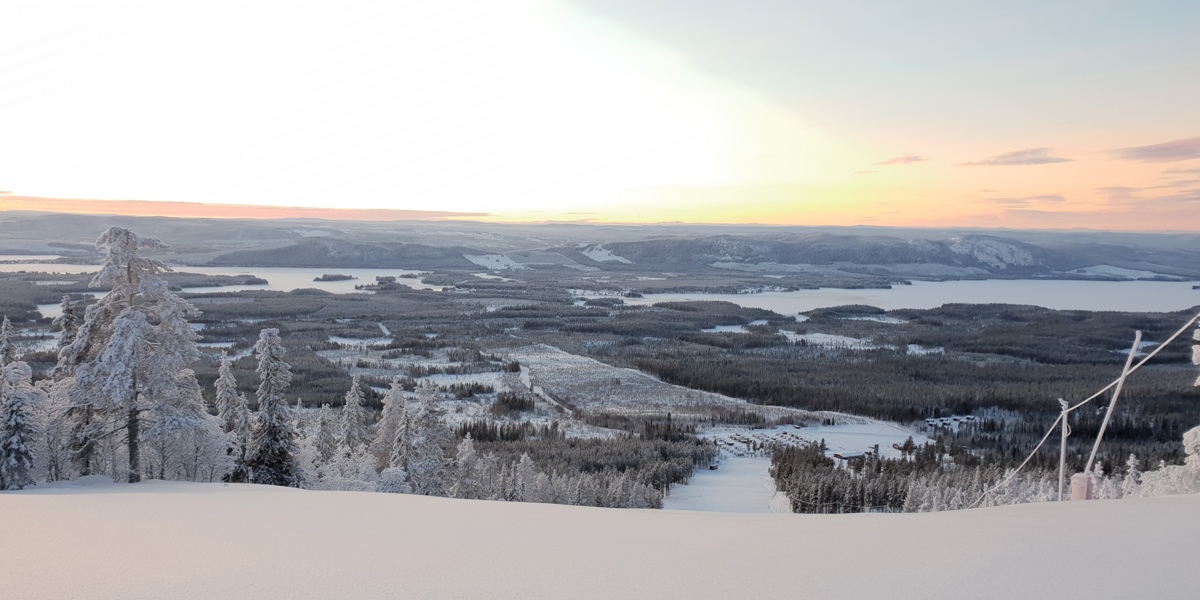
325,442
389,421
427,465
235,419
402,441
66,323
129,354
525,476
1132,482
272,459
19,404
354,429
8,350
467,467
1176,479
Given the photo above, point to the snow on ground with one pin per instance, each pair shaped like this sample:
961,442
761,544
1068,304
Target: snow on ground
742,483
1141,350
829,340
845,438
855,438
494,262
1119,272
739,485
198,541
877,318
919,350
602,254
492,277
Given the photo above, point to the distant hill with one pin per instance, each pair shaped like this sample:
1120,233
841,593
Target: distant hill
323,252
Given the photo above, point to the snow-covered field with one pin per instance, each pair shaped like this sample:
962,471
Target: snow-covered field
494,262
589,384
200,541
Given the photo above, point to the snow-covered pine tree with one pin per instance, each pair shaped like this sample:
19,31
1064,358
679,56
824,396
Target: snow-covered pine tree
129,353
235,418
19,404
389,421
273,449
8,350
354,429
66,323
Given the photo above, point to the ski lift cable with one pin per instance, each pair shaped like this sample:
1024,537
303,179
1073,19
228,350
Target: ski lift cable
1053,425
1013,474
1110,386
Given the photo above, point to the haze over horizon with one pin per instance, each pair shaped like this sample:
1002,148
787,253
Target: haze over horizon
1055,114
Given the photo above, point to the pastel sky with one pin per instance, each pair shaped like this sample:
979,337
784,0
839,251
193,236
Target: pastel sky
1015,113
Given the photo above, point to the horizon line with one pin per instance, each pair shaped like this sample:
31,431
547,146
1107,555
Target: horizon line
172,209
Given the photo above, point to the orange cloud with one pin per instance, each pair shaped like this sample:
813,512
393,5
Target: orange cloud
147,208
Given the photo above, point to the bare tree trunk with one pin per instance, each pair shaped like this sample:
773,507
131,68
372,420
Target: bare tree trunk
135,471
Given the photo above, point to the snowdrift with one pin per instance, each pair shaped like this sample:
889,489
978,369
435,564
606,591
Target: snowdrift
191,540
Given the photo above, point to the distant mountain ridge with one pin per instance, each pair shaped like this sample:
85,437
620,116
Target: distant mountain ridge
971,251
324,252
969,255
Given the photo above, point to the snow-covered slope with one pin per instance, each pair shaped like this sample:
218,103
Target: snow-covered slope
993,252
494,262
599,253
188,540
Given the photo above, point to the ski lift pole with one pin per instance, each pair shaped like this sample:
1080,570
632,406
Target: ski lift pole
1137,342
1062,455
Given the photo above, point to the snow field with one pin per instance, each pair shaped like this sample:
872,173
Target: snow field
494,262
591,385
198,541
845,439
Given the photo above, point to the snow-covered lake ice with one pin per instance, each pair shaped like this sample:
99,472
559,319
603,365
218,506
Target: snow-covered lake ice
1132,296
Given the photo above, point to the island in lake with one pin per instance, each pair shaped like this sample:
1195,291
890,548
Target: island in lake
334,277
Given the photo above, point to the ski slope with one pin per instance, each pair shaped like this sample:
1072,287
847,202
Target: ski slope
198,541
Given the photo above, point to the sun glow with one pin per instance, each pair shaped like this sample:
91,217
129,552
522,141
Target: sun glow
520,111
469,105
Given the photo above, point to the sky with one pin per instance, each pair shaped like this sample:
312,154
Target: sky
1021,114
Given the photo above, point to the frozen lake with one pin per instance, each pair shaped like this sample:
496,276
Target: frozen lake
1129,296
279,278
